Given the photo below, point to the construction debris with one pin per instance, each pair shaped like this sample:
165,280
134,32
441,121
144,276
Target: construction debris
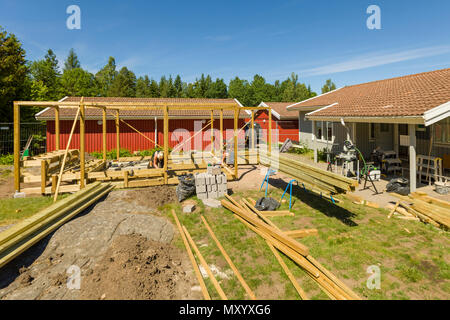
422,207
299,253
188,208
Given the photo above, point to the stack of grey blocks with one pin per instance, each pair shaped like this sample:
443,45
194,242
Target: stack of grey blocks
211,184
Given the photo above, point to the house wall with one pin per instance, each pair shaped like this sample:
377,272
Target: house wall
179,130
281,129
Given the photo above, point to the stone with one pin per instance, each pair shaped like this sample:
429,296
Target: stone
189,208
213,203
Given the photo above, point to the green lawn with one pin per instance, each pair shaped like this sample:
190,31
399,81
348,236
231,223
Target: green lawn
13,210
413,257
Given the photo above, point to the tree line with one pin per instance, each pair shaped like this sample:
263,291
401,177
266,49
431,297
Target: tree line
43,80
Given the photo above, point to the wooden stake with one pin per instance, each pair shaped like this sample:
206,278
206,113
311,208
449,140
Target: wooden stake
205,265
16,147
394,209
288,272
228,259
191,257
253,130
44,168
65,155
104,133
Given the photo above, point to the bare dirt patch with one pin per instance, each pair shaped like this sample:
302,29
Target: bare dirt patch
155,197
137,268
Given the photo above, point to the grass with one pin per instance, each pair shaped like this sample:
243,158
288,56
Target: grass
414,264
14,210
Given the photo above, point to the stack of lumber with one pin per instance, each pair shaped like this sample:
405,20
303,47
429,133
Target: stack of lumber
418,206
286,244
26,233
315,178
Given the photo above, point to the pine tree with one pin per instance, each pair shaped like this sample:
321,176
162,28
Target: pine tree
329,86
105,77
47,71
72,61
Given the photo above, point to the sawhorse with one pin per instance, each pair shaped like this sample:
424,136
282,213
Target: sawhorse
290,192
266,179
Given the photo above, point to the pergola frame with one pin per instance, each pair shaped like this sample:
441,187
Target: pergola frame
165,107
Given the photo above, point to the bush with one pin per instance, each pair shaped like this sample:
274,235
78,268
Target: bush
111,154
303,150
7,159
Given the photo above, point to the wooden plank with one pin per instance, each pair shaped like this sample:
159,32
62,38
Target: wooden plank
296,234
191,257
44,169
166,142
205,265
104,133
288,272
57,131
117,135
229,261
82,144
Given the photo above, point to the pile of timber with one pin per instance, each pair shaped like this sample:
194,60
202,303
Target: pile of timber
297,252
28,232
315,178
422,207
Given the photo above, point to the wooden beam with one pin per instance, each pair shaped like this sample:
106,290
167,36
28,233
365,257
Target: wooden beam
44,176
16,147
270,131
117,134
205,265
253,130
82,145
191,257
228,259
57,131
412,157
288,272
104,132
236,118
212,132
221,130
166,142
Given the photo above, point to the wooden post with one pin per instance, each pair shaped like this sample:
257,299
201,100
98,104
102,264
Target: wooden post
125,179
166,142
44,169
236,118
212,132
104,123
253,130
314,139
57,132
82,144
396,138
16,147
269,140
221,131
412,157
117,135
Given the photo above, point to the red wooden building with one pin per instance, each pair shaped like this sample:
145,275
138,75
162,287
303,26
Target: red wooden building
183,124
284,122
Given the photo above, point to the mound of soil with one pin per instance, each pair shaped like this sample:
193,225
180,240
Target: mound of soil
155,196
135,268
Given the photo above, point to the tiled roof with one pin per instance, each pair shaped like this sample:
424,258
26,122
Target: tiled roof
280,109
96,113
410,95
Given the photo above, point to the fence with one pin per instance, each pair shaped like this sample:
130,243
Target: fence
27,129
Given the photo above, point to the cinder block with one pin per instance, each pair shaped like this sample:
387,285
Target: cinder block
214,187
202,196
213,195
209,188
200,189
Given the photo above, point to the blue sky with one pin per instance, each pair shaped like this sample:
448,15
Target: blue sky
316,39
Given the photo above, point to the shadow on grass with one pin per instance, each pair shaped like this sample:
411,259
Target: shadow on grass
323,205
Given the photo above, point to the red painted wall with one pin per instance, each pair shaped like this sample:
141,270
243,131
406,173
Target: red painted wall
287,129
132,141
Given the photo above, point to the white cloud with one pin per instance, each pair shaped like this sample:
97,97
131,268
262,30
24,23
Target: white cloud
375,59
